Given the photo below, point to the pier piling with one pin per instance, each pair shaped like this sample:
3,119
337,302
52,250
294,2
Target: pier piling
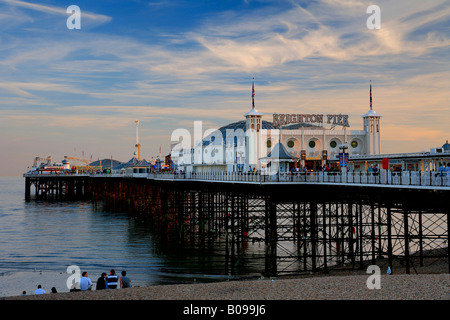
293,228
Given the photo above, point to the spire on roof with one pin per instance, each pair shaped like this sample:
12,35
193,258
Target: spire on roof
371,112
253,111
253,94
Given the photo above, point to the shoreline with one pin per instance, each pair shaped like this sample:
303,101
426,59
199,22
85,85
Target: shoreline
347,287
340,285
431,281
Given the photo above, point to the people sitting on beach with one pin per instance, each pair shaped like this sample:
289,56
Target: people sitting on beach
101,282
54,290
85,282
39,290
125,282
112,281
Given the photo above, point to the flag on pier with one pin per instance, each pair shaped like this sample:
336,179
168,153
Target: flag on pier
253,94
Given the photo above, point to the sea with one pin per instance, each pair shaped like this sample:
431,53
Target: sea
42,242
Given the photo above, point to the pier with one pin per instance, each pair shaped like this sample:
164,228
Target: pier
296,223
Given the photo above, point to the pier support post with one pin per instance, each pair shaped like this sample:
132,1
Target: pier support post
27,189
361,235
448,237
350,234
372,232
270,237
406,231
420,239
313,230
324,237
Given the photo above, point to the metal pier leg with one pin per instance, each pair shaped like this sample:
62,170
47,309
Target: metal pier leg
27,189
372,232
324,235
270,237
406,228
227,239
305,244
389,230
313,214
361,247
232,231
420,238
342,237
351,240
380,250
448,237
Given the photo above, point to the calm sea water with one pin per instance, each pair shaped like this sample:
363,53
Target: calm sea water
50,236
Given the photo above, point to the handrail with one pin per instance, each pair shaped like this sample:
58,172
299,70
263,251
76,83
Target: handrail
404,178
383,177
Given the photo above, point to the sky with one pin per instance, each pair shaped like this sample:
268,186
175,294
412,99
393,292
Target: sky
78,92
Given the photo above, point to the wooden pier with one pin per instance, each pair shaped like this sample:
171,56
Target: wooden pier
299,227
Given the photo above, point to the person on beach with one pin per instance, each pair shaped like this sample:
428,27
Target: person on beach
85,282
125,282
39,290
54,290
112,281
101,282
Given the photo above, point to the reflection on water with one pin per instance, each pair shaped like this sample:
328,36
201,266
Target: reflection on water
50,236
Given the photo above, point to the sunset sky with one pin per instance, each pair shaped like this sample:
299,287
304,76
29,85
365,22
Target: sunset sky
169,63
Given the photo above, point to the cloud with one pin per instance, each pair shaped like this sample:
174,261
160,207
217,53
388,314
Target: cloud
316,33
25,88
317,57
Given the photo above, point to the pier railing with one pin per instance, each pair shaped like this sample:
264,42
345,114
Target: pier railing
405,178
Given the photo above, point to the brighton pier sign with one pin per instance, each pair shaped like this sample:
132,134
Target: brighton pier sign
333,119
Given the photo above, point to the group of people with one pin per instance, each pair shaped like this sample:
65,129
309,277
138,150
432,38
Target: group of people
111,281
40,290
444,169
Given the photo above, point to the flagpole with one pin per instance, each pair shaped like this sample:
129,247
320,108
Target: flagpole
253,94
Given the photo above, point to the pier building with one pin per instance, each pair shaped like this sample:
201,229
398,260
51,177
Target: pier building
302,140
311,221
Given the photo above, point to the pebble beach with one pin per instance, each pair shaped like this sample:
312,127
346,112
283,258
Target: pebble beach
346,287
430,282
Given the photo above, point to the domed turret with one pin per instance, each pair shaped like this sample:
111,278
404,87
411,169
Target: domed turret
446,146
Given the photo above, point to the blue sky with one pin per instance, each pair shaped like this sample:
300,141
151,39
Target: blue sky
168,63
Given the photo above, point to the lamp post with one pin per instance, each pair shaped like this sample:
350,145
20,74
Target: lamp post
343,157
239,160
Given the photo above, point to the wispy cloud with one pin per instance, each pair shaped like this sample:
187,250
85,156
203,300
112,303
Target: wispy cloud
313,56
316,34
